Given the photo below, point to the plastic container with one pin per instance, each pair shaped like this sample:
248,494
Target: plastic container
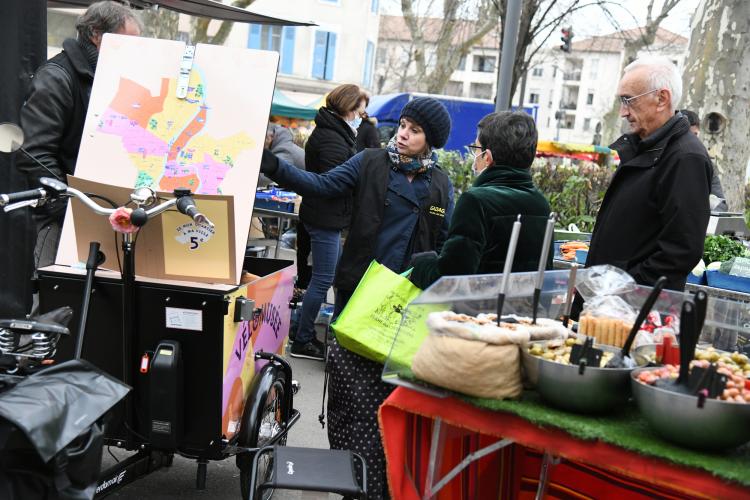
718,279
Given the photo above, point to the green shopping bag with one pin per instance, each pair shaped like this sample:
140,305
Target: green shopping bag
370,321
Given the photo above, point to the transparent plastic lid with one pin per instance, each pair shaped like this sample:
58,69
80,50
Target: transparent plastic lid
727,324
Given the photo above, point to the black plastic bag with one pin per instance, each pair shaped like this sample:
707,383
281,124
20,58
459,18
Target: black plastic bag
51,431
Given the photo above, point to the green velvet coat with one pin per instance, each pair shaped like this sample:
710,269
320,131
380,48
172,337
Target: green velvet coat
481,226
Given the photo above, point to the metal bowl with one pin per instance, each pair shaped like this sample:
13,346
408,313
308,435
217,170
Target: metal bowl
676,417
596,390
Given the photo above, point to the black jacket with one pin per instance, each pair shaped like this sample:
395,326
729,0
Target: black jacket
53,116
653,218
330,144
367,136
481,226
375,195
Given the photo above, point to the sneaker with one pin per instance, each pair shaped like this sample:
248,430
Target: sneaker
311,350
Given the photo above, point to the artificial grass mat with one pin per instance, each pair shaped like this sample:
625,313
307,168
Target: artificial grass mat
627,429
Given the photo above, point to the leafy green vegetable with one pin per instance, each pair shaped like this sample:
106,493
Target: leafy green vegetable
722,248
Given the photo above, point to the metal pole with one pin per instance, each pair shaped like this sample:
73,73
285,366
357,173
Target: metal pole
508,55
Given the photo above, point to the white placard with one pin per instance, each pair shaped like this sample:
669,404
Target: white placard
184,319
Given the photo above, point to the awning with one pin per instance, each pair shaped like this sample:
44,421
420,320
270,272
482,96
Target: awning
284,106
565,148
201,8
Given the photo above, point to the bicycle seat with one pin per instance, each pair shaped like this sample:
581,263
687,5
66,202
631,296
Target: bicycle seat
51,322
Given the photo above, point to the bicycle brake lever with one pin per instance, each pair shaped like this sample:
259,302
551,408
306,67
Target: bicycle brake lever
21,204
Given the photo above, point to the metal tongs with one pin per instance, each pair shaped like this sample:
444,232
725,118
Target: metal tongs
570,295
509,256
542,266
702,382
585,355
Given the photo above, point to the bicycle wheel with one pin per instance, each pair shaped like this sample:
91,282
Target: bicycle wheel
269,425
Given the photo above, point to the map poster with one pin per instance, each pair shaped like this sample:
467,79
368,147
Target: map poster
139,133
170,234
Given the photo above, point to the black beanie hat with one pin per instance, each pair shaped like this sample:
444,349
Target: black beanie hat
431,115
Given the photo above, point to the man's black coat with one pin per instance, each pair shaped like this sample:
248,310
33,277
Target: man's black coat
653,218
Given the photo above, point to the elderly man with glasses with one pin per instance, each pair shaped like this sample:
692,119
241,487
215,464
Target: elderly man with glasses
653,218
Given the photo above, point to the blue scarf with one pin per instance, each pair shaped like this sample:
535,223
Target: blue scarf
411,164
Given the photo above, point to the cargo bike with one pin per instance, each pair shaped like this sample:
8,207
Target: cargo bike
202,359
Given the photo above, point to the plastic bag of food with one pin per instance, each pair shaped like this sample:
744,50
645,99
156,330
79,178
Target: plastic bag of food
606,316
598,281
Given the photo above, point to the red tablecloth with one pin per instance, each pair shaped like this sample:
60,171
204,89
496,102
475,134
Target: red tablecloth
589,469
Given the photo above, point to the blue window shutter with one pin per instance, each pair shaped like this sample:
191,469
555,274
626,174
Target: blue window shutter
287,50
367,77
253,37
330,56
374,6
319,54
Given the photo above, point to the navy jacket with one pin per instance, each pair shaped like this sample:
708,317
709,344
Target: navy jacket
392,248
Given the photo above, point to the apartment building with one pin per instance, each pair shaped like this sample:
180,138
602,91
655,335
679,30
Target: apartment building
315,59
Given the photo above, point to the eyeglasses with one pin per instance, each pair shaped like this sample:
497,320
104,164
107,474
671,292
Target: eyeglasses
627,101
476,149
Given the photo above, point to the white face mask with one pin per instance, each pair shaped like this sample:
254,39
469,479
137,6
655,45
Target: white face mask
355,123
474,167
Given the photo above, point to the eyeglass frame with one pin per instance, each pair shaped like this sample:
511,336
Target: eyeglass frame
476,146
627,101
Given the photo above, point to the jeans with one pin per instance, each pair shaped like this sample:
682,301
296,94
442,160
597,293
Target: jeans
326,250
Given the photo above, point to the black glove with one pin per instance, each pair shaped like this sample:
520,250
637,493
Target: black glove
418,256
269,164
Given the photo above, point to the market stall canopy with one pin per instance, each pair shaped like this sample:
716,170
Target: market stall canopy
202,8
282,105
588,152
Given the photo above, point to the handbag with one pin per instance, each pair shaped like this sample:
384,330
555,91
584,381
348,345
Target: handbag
375,319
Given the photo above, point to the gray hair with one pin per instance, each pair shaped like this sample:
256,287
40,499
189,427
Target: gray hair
510,136
662,75
105,17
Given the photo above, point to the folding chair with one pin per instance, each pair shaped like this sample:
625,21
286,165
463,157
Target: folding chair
310,469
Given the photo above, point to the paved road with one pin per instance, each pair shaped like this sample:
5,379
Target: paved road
223,480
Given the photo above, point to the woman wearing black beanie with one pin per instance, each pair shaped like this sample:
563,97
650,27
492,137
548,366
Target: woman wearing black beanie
402,205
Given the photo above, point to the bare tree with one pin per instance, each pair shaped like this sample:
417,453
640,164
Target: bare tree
634,42
163,23
160,23
464,23
454,38
716,79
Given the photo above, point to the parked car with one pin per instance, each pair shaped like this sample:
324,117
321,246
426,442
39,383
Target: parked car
465,114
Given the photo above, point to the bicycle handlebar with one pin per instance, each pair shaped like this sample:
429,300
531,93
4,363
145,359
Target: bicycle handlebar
54,189
31,194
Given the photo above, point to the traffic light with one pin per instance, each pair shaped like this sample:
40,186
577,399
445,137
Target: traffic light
567,37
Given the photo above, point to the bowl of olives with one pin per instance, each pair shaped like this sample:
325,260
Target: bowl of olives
594,389
706,424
